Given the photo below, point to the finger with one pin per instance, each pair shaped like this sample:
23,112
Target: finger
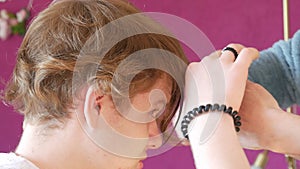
213,56
227,56
246,57
216,53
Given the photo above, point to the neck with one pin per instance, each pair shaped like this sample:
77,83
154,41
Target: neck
54,148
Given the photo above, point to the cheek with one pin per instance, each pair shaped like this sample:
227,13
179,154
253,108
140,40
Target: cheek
132,129
125,126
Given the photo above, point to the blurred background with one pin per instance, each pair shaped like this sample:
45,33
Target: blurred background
253,23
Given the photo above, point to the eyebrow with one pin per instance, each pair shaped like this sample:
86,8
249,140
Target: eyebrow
159,101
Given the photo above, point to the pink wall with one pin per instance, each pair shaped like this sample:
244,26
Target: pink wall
10,122
251,22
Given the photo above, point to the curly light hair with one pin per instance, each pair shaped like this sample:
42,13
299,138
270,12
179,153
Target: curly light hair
41,85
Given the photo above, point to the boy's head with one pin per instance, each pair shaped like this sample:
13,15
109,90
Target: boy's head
43,87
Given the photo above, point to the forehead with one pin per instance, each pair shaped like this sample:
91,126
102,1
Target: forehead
158,93
163,84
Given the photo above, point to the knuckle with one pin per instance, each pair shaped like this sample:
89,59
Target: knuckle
236,46
254,50
250,51
233,44
193,65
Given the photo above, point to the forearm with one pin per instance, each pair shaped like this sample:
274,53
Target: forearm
287,137
278,70
222,149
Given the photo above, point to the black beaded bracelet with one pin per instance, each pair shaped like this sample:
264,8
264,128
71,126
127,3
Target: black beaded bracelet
199,110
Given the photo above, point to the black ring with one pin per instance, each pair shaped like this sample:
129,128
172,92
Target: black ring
231,50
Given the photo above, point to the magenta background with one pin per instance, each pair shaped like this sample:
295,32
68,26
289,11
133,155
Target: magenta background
250,22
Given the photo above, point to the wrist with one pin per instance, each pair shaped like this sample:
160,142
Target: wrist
271,138
212,115
282,132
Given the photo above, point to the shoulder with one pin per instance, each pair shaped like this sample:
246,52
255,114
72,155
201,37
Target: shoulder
12,161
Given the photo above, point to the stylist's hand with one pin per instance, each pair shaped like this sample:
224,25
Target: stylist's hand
260,115
219,77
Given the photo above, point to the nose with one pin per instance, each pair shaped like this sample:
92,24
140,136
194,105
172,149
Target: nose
155,136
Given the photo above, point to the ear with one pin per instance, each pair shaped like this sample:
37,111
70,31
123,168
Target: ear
91,110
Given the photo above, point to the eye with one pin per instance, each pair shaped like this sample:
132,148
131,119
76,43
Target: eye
157,112
154,113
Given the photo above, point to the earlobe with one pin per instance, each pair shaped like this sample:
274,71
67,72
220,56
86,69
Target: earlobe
91,108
